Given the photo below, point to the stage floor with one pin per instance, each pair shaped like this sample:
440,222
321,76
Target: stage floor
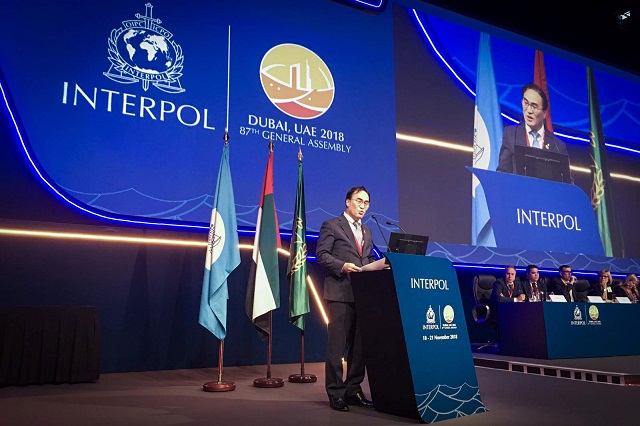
624,370
176,398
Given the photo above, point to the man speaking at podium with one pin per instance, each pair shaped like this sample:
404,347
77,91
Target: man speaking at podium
530,133
344,246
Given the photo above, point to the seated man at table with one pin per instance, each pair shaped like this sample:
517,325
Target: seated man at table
507,289
565,285
535,289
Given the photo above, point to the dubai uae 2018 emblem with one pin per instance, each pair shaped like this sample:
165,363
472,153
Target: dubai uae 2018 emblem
142,50
297,81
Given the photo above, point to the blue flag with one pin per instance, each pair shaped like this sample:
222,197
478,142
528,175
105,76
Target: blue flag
223,254
487,139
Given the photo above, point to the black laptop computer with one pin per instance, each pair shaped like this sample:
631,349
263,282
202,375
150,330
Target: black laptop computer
408,243
543,164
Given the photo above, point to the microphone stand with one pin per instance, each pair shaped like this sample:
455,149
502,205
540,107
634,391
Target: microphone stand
373,216
397,225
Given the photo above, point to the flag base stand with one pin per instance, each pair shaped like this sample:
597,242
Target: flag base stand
266,382
219,387
303,378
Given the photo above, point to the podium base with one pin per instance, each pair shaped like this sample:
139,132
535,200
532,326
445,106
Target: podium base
303,378
219,386
268,383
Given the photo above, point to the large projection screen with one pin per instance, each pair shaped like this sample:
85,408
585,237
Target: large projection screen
123,107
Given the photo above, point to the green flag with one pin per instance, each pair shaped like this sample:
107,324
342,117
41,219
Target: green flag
601,191
297,269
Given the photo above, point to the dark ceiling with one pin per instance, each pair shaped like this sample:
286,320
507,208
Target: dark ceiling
591,30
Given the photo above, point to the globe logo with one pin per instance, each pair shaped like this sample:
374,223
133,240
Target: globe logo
297,81
143,51
147,51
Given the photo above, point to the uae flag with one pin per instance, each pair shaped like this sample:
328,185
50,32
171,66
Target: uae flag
263,290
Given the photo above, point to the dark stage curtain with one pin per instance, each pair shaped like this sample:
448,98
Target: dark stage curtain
49,344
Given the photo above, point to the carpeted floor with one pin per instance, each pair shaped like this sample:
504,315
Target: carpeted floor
175,398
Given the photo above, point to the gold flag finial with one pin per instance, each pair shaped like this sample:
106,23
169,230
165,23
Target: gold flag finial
299,154
270,145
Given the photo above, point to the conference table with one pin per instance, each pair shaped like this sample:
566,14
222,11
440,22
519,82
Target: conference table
49,344
551,330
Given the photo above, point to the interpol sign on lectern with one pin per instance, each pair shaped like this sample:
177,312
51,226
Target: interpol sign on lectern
415,339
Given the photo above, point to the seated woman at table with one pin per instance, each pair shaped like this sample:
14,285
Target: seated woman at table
629,288
603,287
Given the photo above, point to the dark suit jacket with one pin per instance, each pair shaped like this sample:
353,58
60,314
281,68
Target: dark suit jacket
500,292
620,291
542,288
596,290
336,246
558,287
517,135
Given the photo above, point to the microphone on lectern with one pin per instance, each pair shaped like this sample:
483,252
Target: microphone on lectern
397,226
373,216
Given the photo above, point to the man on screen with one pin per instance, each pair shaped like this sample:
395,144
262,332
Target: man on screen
531,132
344,246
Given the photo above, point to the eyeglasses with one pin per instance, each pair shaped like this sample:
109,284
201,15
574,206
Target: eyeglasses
526,105
361,202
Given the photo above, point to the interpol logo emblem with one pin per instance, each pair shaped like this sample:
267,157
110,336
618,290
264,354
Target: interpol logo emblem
431,316
217,236
577,315
142,50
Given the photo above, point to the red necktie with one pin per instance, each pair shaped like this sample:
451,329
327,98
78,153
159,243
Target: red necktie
359,237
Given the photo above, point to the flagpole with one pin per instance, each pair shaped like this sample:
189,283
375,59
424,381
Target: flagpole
220,385
302,377
297,272
269,382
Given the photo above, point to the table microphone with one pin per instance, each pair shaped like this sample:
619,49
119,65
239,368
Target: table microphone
373,216
397,226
